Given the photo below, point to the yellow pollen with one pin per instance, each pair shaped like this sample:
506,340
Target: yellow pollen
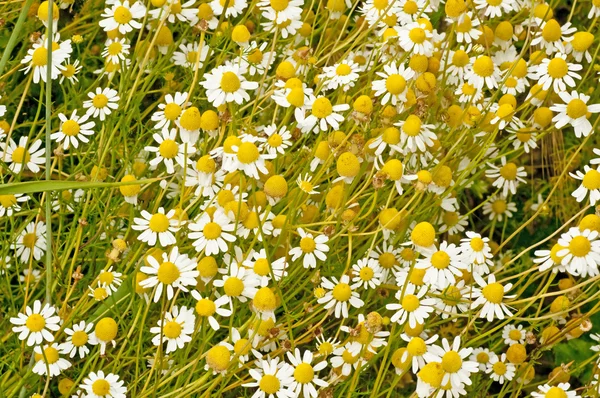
269,384
322,108
101,387
247,153
79,338
172,330
451,362
70,128
21,155
509,171
99,101
576,108
440,259
304,373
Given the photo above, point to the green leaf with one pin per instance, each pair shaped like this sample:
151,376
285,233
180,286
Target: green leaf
577,350
46,186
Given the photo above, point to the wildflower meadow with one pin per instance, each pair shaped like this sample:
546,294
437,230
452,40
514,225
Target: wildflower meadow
299,198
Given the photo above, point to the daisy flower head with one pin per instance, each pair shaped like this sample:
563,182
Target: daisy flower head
247,157
36,324
453,300
175,328
497,207
173,271
116,50
20,156
551,36
560,390
157,227
73,129
594,10
190,55
494,8
170,110
412,307
101,103
101,385
239,283
347,357
280,11
548,259
580,251
277,141
415,38
272,377
523,136
590,183
483,73
31,243
11,203
256,60
514,334
376,10
392,88
507,177
442,266
323,115
418,350
455,364
226,83
500,369
169,151
368,273
339,294
234,7
212,234
207,308
482,357
415,136
475,248
306,381
265,268
176,10
556,73
342,74
36,59
48,361
123,16
310,249
467,30
491,298
77,340
574,111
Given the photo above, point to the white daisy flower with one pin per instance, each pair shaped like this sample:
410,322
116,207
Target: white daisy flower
207,308
482,356
273,379
392,88
310,249
418,350
175,271
339,294
491,298
493,8
157,227
116,50
559,390
347,357
277,141
31,243
548,259
466,28
226,83
101,103
170,110
20,156
574,111
457,369
48,361
508,177
514,334
73,129
176,11
483,73
9,204
239,283
175,328
280,11
454,299
36,58
590,183
234,7
497,207
306,381
256,60
580,251
342,74
411,307
212,234
416,38
122,16
36,324
100,385
552,36
169,151
442,266
415,135
500,369
190,55
368,273
322,115
265,268
556,73
77,340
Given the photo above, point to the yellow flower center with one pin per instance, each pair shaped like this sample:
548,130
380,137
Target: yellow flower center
233,286
100,293
477,244
493,292
343,70
106,277
412,126
51,355
106,329
342,292
256,56
279,5
387,260
325,348
576,108
416,347
366,273
307,244
380,4
296,97
269,384
20,155
71,128
440,259
39,57
168,273
349,358
79,338
509,171
322,107
551,31
212,230
306,186
556,392
483,66
247,153
172,330
417,35
494,3
7,201
158,223
499,368
304,373
242,347
218,358
168,149
410,302
175,7
395,84
115,48
391,135
514,334
499,206
451,296
122,15
482,357
99,101
451,362
580,246
35,322
29,240
465,26
557,68
101,387
172,111
460,58
261,267
230,83
432,374
205,307
410,7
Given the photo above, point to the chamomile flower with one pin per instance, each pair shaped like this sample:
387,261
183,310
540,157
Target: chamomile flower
551,36
590,183
306,185
482,357
523,136
256,60
558,390
234,7
491,298
21,156
123,16
101,103
247,158
418,350
280,11
173,271
207,308
339,295
310,249
467,30
574,111
277,141
306,381
273,379
31,243
442,266
157,227
548,259
48,361
415,38
415,136
347,357
556,73
110,279
514,334
176,11
101,385
454,299
412,307
580,251
77,340
73,129
36,324
497,207
190,55
36,60
169,151
483,73
374,10
455,364
11,203
475,248
392,88
368,273
500,369
170,110
212,234
493,8
343,74
116,50
226,83
239,283
175,328
507,177
323,115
